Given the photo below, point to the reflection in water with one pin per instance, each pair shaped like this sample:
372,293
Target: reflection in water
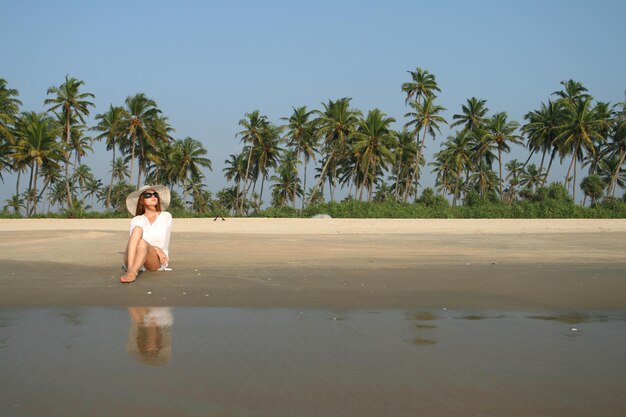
572,318
481,317
421,317
277,362
149,336
421,341
425,326
424,316
73,316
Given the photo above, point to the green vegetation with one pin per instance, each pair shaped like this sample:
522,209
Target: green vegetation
379,168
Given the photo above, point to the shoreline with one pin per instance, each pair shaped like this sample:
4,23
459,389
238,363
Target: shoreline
331,226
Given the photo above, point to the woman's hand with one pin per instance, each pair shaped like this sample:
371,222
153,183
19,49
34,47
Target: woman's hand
163,259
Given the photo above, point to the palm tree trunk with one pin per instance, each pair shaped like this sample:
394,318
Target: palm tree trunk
574,183
396,190
133,138
528,159
322,175
304,186
67,158
30,187
17,184
418,157
616,173
456,188
543,156
262,186
332,184
245,179
34,208
407,187
108,200
570,170
500,164
545,177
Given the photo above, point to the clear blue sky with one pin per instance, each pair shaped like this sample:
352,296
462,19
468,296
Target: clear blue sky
207,63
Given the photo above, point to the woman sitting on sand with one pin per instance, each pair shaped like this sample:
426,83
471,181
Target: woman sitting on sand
149,231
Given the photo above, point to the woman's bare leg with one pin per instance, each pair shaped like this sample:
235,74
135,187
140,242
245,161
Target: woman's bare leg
138,253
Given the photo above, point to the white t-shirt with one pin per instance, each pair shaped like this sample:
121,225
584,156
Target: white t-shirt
158,233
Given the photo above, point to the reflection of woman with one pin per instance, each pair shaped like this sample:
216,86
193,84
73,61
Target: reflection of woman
148,245
149,337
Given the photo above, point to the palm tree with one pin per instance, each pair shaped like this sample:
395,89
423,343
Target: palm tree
425,118
455,159
573,92
267,154
37,133
119,171
15,203
92,188
612,172
253,125
228,199
5,157
472,116
335,123
579,130
422,85
189,158
235,170
72,103
384,192
81,145
531,177
542,130
514,168
301,137
9,108
405,154
82,175
482,178
499,133
373,143
110,124
139,114
287,185
51,173
200,196
155,151
616,148
593,187
57,195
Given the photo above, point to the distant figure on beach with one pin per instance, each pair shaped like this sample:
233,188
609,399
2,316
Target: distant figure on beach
148,245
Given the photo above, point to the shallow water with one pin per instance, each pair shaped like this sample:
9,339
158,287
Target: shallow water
281,362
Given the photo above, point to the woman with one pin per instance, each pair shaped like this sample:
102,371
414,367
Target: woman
148,245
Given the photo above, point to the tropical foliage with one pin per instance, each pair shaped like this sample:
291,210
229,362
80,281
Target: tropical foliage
360,155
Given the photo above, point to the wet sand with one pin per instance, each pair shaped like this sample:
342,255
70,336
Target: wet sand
323,263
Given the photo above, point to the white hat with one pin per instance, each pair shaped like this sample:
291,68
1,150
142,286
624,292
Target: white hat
164,197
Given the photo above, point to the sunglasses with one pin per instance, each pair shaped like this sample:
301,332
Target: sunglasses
148,195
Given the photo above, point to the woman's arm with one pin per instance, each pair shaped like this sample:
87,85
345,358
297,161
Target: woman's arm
163,259
164,251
